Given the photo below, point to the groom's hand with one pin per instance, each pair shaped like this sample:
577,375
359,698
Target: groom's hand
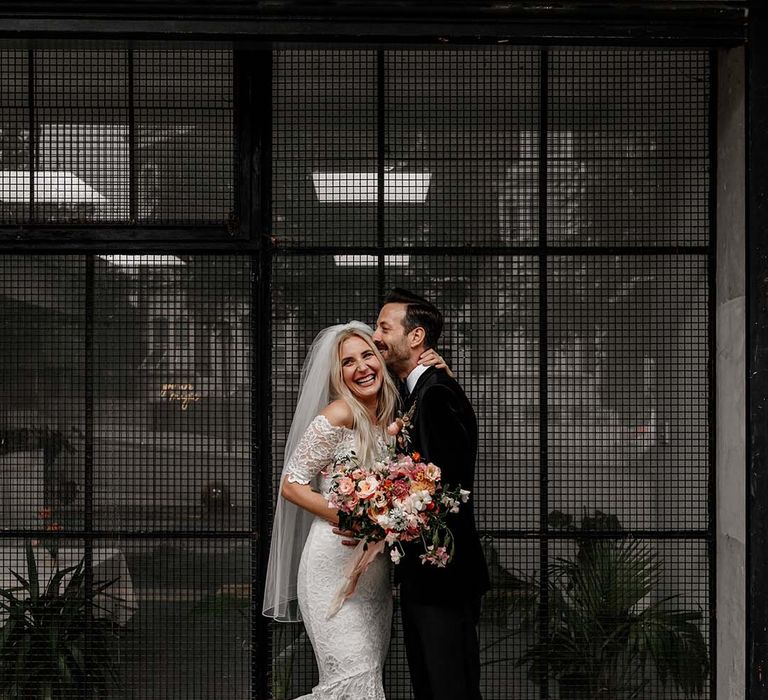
349,535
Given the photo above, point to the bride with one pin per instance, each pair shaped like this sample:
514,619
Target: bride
346,400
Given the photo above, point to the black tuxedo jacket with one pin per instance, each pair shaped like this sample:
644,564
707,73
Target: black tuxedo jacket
444,431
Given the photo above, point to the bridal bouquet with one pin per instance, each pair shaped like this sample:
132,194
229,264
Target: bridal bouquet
398,500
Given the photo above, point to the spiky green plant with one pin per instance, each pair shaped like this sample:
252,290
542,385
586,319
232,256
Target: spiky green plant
51,644
605,638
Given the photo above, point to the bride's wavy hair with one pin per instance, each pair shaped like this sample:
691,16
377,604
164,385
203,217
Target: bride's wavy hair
367,433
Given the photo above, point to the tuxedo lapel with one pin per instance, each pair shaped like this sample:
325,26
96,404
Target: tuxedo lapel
419,385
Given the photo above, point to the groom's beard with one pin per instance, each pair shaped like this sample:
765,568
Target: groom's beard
396,358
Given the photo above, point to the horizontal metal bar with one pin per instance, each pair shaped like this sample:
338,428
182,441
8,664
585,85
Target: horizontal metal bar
596,534
685,30
534,250
242,246
11,534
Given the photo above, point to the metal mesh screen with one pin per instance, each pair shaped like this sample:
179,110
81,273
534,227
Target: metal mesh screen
125,452
590,370
554,204
124,136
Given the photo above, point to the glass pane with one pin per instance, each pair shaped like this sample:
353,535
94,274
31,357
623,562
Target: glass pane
82,167
629,388
324,147
14,136
42,408
187,633
655,595
628,143
462,147
172,388
184,137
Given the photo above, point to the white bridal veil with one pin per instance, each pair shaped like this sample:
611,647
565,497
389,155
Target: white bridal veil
291,523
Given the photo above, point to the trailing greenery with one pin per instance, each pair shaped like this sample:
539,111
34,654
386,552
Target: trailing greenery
51,644
605,635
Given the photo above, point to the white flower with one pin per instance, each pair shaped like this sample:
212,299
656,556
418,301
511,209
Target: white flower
455,509
395,555
464,494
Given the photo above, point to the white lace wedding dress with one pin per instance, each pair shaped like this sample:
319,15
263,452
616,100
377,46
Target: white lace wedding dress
350,648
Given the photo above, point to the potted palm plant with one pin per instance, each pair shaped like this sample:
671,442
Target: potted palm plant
601,633
52,644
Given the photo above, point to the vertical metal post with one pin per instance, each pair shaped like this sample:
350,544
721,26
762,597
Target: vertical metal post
32,145
711,373
253,129
133,204
543,366
381,155
757,355
88,369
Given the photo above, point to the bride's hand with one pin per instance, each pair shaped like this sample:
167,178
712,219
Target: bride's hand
350,541
430,358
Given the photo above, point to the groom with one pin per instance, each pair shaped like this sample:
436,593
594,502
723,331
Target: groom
440,607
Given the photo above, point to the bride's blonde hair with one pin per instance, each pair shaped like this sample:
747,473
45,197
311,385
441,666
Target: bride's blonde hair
366,432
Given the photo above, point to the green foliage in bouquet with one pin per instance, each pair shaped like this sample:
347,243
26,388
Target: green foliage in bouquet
51,645
606,637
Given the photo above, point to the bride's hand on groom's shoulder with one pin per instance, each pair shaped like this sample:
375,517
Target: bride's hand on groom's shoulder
431,358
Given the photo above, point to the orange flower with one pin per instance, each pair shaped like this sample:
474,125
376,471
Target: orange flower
416,457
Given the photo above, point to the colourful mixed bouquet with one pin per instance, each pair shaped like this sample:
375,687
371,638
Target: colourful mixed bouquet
396,501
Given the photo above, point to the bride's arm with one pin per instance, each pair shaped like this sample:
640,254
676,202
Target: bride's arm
304,497
314,452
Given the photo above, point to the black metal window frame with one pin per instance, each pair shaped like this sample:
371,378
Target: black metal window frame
249,235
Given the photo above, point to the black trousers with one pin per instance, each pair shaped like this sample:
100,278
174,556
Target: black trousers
442,647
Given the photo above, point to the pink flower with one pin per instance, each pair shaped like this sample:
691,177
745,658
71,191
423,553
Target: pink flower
437,556
346,486
395,427
357,474
400,489
367,487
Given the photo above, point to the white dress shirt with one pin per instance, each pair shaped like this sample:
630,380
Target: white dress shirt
413,377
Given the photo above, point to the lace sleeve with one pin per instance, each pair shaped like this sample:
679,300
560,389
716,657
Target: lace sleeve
314,451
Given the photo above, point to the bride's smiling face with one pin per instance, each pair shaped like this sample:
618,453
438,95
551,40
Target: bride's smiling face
360,369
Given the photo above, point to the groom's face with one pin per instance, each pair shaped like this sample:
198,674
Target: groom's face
390,336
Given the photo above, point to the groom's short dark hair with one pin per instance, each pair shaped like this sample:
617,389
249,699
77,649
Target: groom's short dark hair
419,313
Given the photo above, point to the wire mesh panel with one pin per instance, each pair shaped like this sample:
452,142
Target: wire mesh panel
183,141
126,409
629,388
81,159
184,626
325,186
15,153
590,374
114,135
42,344
172,391
461,147
628,139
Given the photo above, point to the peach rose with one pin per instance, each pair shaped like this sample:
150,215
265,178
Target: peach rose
367,487
346,486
